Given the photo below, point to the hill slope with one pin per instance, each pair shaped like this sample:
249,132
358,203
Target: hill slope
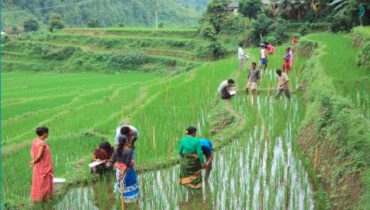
108,12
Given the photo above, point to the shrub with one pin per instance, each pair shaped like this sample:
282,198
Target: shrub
259,28
304,29
128,60
161,25
364,55
31,25
341,23
94,23
236,24
121,25
271,39
279,30
58,53
250,8
55,22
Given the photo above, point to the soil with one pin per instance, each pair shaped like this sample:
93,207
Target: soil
338,176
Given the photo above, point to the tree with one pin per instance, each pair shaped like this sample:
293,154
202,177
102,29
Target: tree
94,23
250,8
260,28
216,14
30,25
55,22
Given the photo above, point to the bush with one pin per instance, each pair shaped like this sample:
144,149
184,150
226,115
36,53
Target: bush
271,39
93,23
30,25
161,25
259,28
236,24
58,53
55,22
128,60
364,55
341,24
279,31
121,25
304,29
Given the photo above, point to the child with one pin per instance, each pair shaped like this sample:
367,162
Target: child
125,174
286,65
253,79
283,84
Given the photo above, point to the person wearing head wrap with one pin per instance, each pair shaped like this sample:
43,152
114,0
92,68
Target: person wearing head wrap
192,161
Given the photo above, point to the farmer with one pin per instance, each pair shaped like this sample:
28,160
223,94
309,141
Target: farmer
241,56
270,49
192,161
207,149
43,173
131,133
294,41
287,60
253,79
225,89
283,84
103,154
263,57
126,185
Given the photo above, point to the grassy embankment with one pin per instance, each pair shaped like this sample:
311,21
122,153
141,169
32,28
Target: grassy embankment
335,133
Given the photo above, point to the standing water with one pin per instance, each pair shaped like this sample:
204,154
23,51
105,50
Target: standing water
258,170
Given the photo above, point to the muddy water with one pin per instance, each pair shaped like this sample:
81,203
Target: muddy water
256,171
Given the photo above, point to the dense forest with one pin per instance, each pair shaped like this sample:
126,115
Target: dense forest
107,12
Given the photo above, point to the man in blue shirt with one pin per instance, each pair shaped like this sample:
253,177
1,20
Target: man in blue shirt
207,149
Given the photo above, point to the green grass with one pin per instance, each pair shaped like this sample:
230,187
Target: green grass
340,64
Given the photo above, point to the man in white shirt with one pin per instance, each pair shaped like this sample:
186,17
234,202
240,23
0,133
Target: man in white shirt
241,56
129,131
283,84
263,56
225,89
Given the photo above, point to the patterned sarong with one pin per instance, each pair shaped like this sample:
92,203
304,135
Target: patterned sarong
190,172
127,186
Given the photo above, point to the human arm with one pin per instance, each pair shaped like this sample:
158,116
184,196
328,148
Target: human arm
39,155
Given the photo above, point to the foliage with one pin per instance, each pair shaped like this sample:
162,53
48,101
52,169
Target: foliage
161,25
55,22
279,30
213,46
31,25
364,55
109,13
259,28
94,23
250,8
121,25
341,24
216,14
304,29
128,60
236,24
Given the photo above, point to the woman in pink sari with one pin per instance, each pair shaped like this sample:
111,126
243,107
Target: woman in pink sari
291,57
43,174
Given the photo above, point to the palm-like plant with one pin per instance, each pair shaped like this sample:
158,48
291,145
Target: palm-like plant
343,6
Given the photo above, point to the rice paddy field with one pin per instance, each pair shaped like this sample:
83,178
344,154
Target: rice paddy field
256,165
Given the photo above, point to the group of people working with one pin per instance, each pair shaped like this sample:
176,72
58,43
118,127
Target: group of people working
191,149
226,88
122,159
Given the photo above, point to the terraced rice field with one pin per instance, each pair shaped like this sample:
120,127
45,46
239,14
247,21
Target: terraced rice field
82,108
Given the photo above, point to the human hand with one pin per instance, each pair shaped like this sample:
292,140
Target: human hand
31,163
203,166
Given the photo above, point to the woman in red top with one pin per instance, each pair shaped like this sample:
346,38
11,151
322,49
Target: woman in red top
43,174
294,41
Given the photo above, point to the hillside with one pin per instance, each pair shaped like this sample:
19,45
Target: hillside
109,12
